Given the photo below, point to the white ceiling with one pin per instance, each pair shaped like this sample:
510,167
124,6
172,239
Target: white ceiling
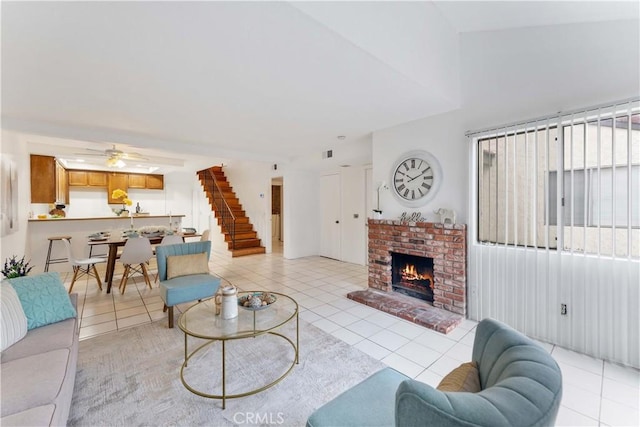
259,80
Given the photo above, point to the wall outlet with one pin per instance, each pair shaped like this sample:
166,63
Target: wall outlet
563,309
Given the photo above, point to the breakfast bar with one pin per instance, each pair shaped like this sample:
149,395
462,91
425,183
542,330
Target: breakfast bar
79,229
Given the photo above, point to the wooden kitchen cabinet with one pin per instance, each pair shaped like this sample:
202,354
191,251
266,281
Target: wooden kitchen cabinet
43,179
49,182
96,179
155,182
86,178
78,178
114,181
137,180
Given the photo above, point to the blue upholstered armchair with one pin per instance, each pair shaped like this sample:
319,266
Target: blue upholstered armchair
184,274
521,385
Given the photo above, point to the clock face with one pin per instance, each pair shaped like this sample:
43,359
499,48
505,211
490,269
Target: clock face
415,178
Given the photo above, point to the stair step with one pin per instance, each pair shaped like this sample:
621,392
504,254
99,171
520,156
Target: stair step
247,251
244,243
241,228
240,220
241,235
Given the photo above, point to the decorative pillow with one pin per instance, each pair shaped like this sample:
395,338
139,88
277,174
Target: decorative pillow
464,378
13,320
44,299
185,265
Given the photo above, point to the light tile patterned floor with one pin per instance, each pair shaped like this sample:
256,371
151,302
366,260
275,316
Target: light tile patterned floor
595,392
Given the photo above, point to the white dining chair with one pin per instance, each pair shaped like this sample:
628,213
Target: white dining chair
205,235
135,255
172,239
82,266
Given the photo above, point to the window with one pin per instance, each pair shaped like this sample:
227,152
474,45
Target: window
570,181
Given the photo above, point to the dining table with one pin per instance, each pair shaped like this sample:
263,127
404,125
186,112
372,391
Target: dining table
114,242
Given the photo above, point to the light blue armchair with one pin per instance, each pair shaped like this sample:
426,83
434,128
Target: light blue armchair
521,386
188,287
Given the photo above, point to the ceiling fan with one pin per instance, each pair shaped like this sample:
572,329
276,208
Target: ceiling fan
114,157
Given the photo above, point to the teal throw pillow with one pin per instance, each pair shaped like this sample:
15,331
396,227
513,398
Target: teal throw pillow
44,299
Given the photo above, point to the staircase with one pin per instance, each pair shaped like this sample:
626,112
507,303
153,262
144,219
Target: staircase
238,231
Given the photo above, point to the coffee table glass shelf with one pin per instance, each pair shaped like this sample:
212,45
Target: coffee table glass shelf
200,321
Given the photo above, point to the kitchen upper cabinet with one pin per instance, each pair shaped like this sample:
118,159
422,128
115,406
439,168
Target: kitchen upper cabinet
43,179
85,178
97,179
78,178
150,182
155,182
114,181
48,180
137,180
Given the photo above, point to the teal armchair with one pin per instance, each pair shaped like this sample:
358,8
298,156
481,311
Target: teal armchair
521,385
189,287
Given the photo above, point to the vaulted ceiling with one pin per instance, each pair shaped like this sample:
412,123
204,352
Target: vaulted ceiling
261,80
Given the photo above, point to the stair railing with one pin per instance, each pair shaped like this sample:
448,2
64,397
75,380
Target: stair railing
221,206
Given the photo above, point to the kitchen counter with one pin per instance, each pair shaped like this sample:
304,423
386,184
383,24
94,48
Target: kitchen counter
79,229
114,217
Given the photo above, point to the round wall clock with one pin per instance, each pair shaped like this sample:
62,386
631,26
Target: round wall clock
416,178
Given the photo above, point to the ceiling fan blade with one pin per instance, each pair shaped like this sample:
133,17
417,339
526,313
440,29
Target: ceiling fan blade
133,156
98,154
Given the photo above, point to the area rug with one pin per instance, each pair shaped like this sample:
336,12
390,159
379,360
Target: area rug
132,377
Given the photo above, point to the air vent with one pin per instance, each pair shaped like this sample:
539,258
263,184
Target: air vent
327,154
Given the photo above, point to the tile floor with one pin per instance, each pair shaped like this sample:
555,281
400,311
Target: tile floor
596,392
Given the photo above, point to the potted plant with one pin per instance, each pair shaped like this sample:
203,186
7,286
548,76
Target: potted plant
125,200
14,268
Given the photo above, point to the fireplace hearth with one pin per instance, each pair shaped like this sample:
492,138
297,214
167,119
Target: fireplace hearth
412,275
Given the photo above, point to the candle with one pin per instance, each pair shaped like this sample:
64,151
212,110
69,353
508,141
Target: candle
169,219
131,216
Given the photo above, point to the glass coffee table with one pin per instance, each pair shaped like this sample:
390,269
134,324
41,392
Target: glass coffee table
200,321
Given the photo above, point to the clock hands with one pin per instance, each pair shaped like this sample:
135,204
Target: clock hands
419,175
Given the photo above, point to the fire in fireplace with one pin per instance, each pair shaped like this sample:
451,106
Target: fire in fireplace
412,275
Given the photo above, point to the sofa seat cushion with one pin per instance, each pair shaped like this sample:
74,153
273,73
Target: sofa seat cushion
38,416
188,288
369,403
56,336
30,387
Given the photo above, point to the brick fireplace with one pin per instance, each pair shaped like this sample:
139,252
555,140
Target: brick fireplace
445,244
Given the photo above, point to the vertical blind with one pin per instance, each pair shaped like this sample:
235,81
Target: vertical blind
555,208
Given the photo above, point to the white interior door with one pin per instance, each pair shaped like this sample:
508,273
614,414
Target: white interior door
330,228
368,206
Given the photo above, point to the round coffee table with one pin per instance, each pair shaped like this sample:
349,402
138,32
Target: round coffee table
200,321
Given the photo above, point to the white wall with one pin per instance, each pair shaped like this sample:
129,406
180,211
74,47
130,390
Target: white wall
513,75
443,137
251,181
301,213
14,146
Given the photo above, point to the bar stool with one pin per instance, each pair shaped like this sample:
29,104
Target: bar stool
54,260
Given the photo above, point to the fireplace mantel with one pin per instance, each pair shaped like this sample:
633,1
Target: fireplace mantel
445,243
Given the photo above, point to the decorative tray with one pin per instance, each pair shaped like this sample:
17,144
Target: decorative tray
265,299
98,239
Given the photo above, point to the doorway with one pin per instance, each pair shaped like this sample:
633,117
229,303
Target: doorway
277,211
